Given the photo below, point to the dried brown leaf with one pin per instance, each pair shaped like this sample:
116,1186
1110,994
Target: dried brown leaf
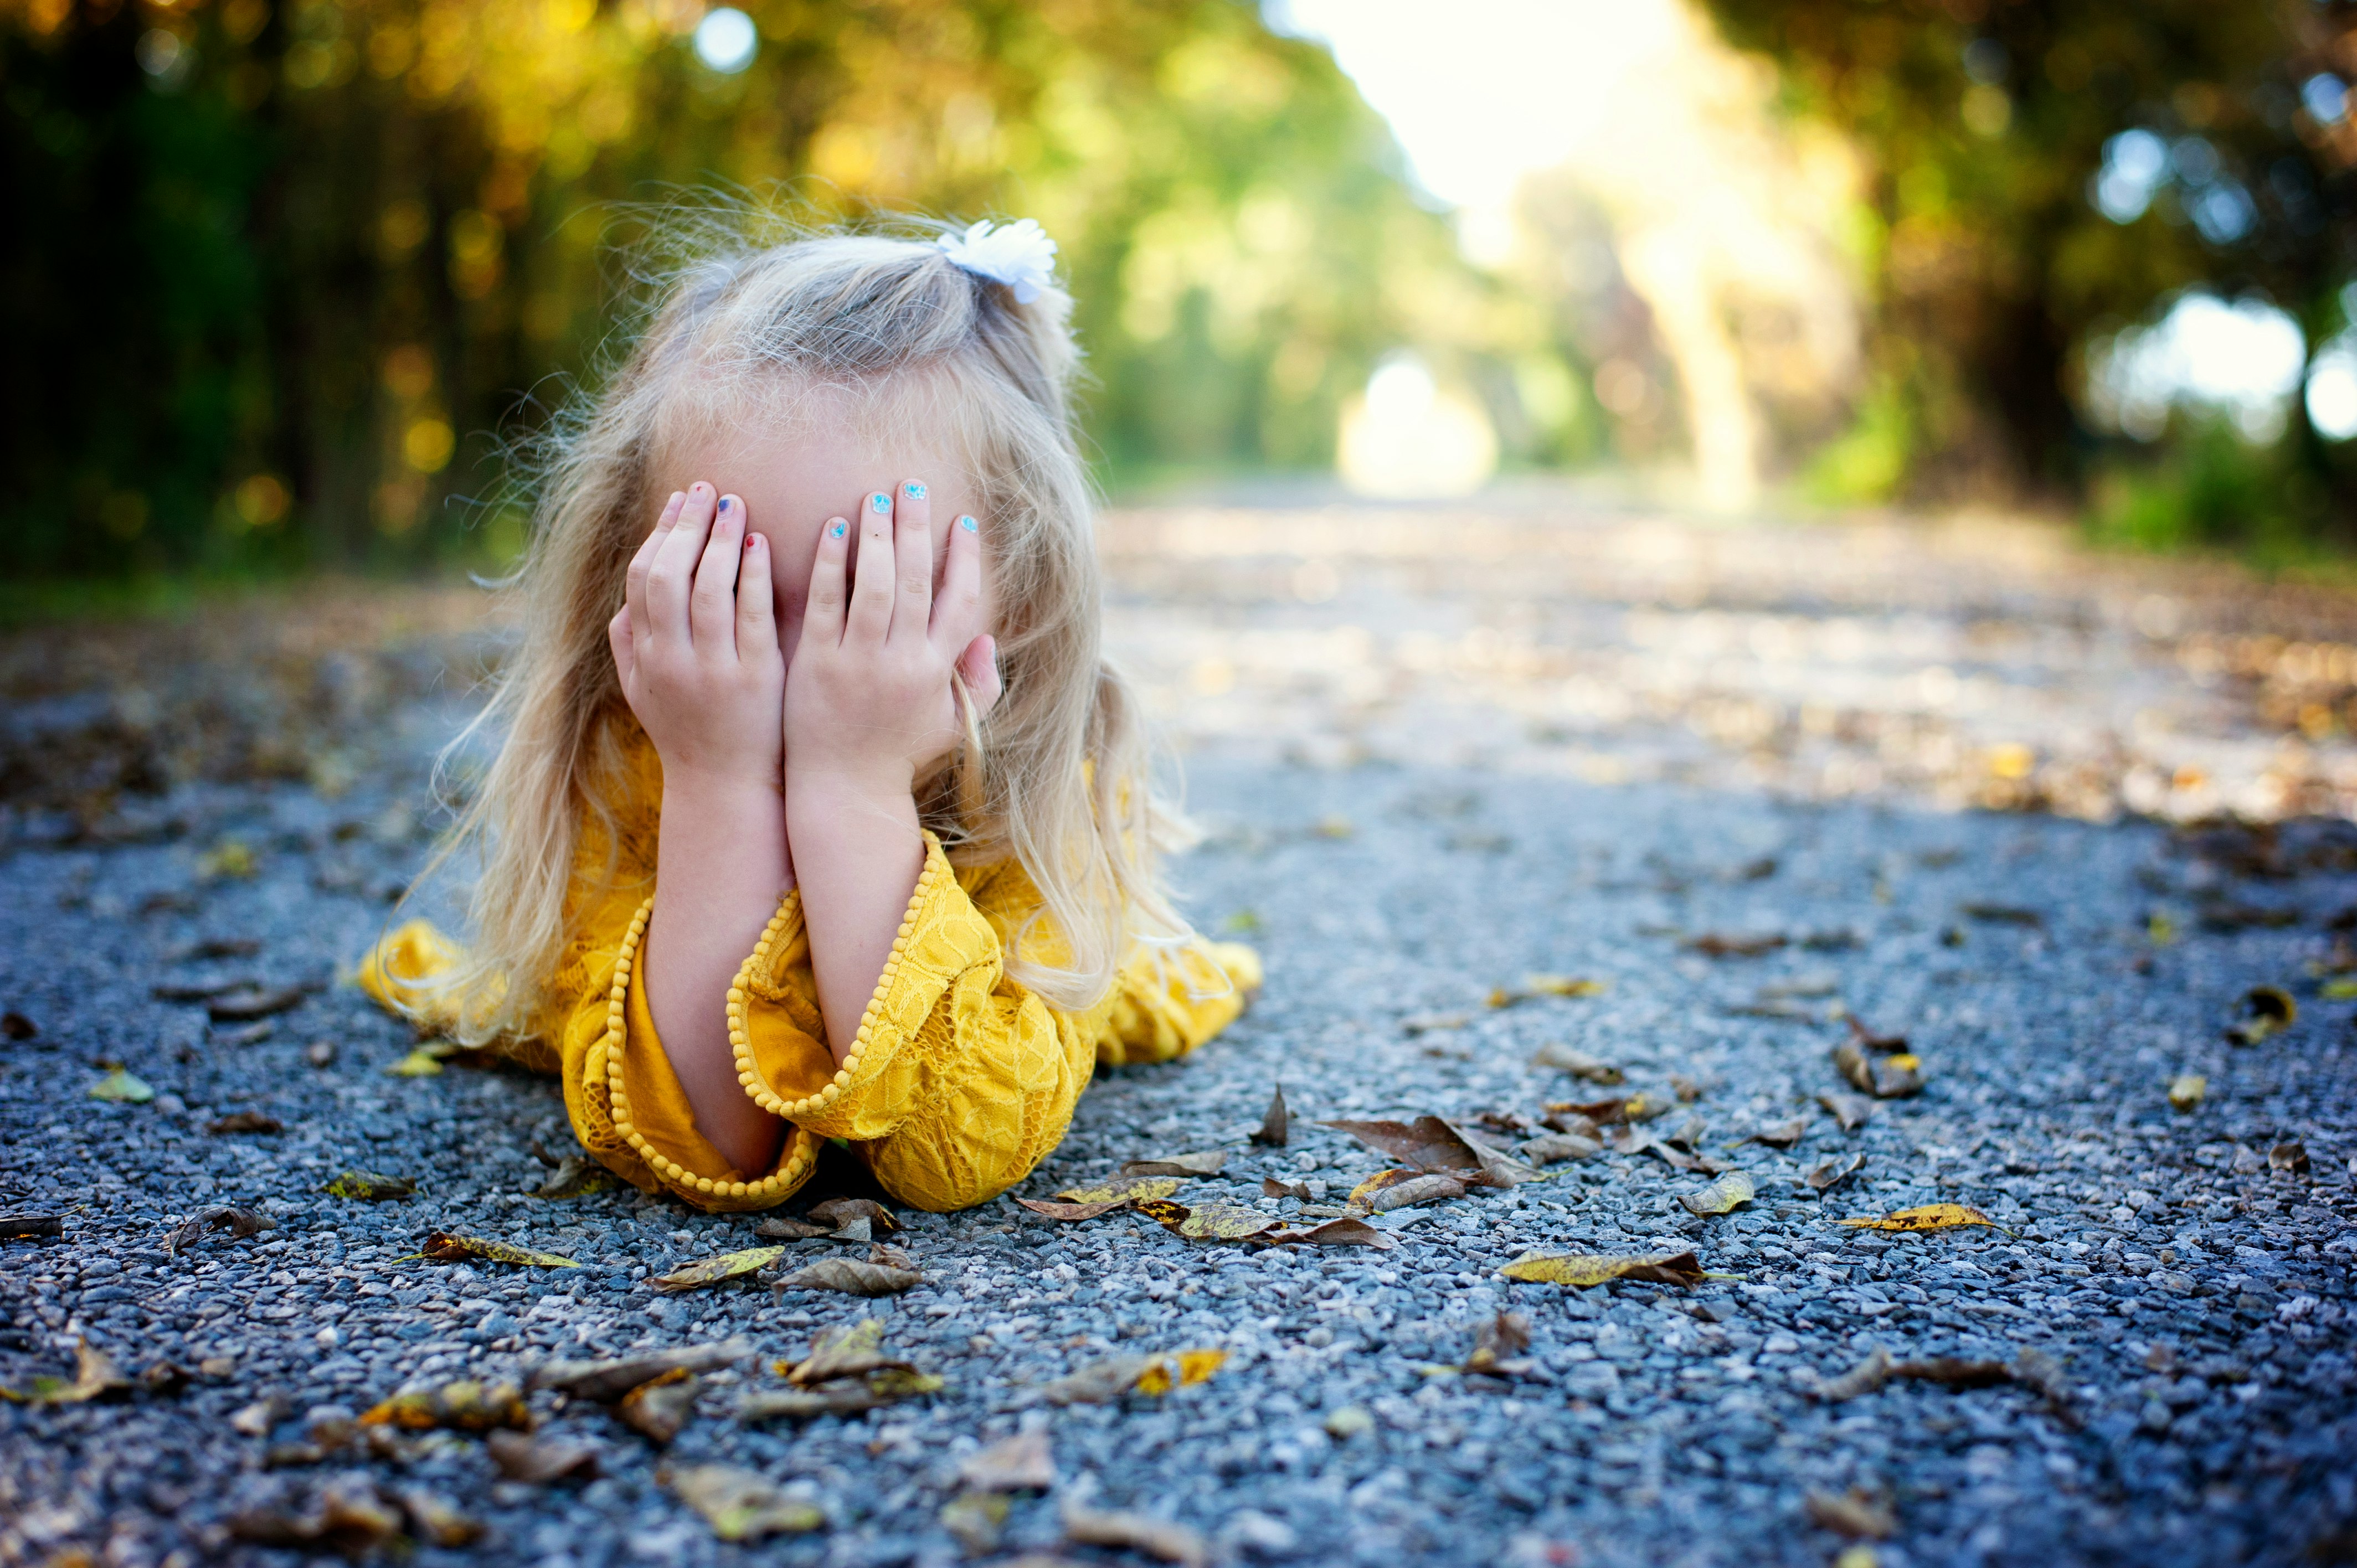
844,1351
607,1381
444,1247
1556,1146
1714,945
844,1213
1725,1196
96,1376
1272,1187
785,1228
1019,1464
1438,1147
1855,1513
741,1505
1276,1125
1344,1233
246,1006
1850,1111
2267,1010
1781,1134
539,1460
575,1175
1137,1532
738,1266
240,1223
345,1515
466,1404
369,1185
1387,1190
1885,1078
852,1278
1587,1271
1830,1174
1207,1221
22,1225
435,1519
1120,1189
659,1406
2290,1159
243,1122
1067,1213
1618,1109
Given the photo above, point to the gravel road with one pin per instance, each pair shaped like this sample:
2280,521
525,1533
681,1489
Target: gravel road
2181,1278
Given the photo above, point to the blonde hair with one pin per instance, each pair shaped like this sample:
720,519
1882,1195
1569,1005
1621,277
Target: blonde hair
752,315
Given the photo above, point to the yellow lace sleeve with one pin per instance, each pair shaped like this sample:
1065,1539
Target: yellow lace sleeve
959,1081
1168,1002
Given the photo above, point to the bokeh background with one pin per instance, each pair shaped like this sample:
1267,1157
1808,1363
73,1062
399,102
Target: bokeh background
285,279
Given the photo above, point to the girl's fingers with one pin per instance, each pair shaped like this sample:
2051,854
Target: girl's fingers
957,608
757,627
869,615
712,607
634,594
672,577
978,667
912,560
823,606
619,639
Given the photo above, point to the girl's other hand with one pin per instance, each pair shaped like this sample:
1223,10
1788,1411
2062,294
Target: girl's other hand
869,698
695,645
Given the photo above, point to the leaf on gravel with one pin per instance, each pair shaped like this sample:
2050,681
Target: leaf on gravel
844,1351
1428,1022
712,1271
1387,1190
124,1087
1579,1064
1887,1044
1556,1146
370,1185
1782,1135
1725,1196
1865,1377
246,1006
1069,1212
1618,1109
1498,1347
231,857
1850,1111
345,1515
1440,1147
1538,985
1187,1369
1208,1162
2035,1369
1117,1375
1120,1528
1930,1217
537,1461
1272,1187
1954,1371
2267,1010
852,1277
240,1223
2001,914
15,1025
2186,1090
2289,1158
848,1397
1857,1513
1343,1232
423,1061
845,1214
444,1247
659,1406
1830,1174
1716,946
1276,1124
435,1519
22,1225
785,1228
243,1122
576,1175
1120,1189
742,1505
1022,1463
466,1404
1587,1271
975,1519
96,1376
607,1381
1885,1078
1207,1221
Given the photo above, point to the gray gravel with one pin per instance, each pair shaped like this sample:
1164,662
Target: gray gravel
2199,1307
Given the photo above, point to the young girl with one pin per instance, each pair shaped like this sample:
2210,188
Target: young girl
820,814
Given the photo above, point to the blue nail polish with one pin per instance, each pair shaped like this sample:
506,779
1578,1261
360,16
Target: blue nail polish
724,506
967,523
838,529
914,490
879,502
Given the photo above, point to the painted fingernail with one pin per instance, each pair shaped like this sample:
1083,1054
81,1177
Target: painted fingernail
879,502
914,490
724,506
968,524
838,529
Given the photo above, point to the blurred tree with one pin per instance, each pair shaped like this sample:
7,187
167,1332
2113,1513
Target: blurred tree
2040,173
283,272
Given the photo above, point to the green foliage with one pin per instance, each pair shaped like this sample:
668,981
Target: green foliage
1985,126
1869,462
296,274
2210,489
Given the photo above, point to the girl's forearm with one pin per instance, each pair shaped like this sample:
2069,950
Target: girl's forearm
721,866
857,854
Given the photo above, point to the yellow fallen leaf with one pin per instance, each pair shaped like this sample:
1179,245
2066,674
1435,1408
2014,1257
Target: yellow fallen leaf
1187,1369
1930,1217
1728,1193
2337,989
1587,1271
124,1087
1120,1189
1207,1221
424,1061
2186,1089
466,1404
1563,985
742,1505
710,1271
2267,1010
231,857
370,1185
445,1248
96,1377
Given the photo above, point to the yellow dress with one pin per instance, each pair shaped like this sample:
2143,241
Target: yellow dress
960,1080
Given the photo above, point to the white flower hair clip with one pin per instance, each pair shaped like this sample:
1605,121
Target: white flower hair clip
1018,254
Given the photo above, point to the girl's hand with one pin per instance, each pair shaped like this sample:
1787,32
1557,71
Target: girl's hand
696,646
869,698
